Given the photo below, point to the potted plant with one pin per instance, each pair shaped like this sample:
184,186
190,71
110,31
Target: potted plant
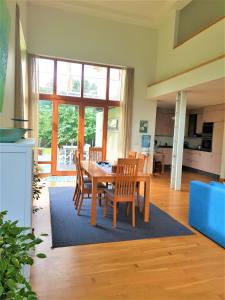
16,246
37,186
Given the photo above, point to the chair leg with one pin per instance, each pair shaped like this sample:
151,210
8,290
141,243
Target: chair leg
138,197
114,214
128,208
105,206
75,192
133,213
81,203
76,199
100,200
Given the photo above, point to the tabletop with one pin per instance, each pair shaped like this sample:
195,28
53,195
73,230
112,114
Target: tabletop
94,170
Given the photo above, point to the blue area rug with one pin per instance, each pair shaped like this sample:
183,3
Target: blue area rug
69,229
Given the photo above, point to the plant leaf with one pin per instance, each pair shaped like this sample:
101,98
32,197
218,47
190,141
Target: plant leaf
41,255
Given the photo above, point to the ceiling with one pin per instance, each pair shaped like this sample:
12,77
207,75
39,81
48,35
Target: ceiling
209,93
148,13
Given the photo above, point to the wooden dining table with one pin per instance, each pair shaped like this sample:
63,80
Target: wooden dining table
100,174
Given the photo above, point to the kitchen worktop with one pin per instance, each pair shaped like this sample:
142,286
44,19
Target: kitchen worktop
203,150
188,148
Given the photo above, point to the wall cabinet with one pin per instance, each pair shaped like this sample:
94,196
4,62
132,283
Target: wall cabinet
199,123
214,113
164,123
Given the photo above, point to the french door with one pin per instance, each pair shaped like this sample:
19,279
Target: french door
69,126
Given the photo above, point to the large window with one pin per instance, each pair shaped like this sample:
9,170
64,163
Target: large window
69,79
78,108
46,76
115,84
95,82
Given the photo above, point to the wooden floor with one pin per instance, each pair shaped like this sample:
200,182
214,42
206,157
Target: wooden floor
189,267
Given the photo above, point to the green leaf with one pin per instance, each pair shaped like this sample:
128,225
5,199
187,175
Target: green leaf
38,241
15,262
1,289
32,297
11,284
43,234
41,255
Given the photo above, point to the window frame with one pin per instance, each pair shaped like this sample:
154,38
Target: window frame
82,102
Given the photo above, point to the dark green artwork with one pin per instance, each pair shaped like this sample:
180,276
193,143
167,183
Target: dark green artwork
4,39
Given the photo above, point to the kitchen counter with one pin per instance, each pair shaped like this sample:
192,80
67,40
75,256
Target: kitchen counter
203,150
188,148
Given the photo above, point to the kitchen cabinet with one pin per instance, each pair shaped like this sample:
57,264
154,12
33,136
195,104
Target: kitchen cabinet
199,123
204,161
214,114
217,142
164,123
192,124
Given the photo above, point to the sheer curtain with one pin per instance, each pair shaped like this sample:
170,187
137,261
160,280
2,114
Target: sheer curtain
19,92
126,109
33,97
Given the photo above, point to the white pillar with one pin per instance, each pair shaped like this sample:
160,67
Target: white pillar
222,172
178,141
153,123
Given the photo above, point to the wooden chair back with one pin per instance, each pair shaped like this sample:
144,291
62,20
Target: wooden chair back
80,177
132,154
126,177
95,154
143,162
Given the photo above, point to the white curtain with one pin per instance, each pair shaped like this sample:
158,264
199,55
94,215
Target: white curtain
19,92
126,110
33,98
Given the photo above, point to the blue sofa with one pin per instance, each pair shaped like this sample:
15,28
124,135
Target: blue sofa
207,209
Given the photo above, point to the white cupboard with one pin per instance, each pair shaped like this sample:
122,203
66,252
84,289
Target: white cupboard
16,176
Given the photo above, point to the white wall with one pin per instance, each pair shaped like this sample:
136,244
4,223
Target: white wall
8,104
206,45
58,33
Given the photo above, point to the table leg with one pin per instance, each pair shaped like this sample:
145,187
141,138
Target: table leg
93,202
147,200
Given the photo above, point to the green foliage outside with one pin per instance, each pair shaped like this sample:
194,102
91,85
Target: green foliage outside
67,124
16,246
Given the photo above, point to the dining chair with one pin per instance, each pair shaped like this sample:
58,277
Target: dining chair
86,179
83,187
95,154
124,187
143,164
132,154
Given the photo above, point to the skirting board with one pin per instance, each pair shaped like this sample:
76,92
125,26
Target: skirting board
211,175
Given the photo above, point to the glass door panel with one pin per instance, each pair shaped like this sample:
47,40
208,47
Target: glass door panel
93,128
67,136
113,133
45,136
